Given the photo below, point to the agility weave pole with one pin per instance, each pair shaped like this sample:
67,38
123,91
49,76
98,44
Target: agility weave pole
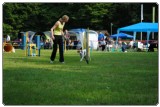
87,45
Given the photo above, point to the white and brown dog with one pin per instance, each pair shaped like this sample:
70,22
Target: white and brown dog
82,54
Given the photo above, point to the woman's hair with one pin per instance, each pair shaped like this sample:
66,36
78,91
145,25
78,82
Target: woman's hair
64,17
106,33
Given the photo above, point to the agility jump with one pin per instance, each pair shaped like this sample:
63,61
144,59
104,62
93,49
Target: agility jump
31,49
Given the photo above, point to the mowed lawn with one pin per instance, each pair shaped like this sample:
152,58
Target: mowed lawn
113,78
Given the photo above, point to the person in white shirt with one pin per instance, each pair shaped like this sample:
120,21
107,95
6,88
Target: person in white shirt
8,38
103,44
131,43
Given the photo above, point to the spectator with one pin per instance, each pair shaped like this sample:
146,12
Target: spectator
109,43
131,43
47,44
124,46
70,44
79,45
119,43
8,38
103,44
42,44
100,36
106,34
66,35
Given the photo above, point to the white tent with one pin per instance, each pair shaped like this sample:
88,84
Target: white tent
80,33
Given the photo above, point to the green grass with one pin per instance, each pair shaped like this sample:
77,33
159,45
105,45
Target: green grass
109,79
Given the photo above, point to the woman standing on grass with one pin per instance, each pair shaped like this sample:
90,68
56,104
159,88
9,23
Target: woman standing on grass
57,36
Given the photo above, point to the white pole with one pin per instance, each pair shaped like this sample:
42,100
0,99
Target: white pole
141,17
153,16
141,36
153,19
141,12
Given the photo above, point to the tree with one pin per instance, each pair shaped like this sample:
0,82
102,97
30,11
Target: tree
98,16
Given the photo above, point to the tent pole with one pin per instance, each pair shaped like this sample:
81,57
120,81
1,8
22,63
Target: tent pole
153,19
134,34
148,34
141,17
141,36
117,38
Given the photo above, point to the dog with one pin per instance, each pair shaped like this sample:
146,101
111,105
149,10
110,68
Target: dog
83,54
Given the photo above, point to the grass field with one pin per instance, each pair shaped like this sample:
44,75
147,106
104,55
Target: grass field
109,79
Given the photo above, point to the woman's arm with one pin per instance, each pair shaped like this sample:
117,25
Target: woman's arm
52,30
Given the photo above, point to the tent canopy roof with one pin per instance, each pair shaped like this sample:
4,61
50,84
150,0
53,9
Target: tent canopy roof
78,30
81,30
121,35
141,27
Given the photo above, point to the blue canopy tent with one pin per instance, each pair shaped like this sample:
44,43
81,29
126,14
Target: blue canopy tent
121,35
140,27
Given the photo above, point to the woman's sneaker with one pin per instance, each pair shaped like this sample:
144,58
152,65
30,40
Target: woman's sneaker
51,61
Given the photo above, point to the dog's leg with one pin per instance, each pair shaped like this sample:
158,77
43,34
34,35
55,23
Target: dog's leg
82,58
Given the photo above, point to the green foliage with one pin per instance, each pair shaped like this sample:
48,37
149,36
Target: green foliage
97,16
7,29
109,79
